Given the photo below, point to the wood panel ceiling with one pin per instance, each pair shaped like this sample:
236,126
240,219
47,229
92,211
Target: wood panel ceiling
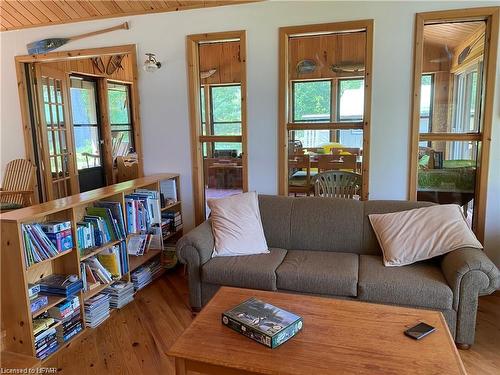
451,34
19,14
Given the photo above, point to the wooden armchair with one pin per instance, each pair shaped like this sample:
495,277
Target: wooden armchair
18,185
337,184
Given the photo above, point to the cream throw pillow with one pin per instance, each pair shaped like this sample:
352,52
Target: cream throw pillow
237,226
423,233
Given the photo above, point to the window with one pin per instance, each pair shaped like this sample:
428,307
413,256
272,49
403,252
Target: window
226,109
122,136
451,132
85,124
351,99
324,108
312,101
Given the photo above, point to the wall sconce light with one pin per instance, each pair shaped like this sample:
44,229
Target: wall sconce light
151,65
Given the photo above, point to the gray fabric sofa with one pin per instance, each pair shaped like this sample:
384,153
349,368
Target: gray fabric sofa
326,246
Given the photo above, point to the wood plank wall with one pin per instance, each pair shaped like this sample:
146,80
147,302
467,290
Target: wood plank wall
326,50
85,66
225,58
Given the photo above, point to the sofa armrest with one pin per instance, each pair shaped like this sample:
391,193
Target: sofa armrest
195,249
470,265
469,273
201,240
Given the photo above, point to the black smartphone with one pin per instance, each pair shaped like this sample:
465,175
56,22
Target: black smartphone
419,331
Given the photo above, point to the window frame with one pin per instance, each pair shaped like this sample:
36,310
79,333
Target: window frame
197,138
285,125
492,17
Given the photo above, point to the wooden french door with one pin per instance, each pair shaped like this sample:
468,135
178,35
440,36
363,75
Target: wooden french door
55,132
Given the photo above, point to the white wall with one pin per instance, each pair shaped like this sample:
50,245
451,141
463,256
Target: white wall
164,98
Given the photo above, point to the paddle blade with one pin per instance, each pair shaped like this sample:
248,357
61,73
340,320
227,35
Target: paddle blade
45,45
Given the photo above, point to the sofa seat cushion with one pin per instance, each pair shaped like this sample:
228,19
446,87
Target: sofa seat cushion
421,284
319,272
247,271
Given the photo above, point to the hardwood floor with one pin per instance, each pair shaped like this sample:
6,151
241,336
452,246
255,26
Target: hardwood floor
135,339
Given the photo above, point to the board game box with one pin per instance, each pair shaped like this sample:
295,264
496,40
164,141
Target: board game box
263,322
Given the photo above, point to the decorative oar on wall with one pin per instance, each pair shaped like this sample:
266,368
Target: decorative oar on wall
47,45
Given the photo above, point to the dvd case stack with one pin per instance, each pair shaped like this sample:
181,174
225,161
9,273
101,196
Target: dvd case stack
96,310
68,312
37,300
171,222
45,240
60,285
45,335
120,294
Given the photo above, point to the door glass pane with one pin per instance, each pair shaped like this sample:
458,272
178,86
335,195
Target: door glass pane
351,99
52,94
312,101
452,71
83,102
48,117
87,147
447,173
121,142
85,125
222,169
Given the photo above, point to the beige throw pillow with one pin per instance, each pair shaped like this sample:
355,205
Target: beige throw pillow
423,233
237,226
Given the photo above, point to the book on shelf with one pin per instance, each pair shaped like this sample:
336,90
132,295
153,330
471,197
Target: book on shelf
143,210
171,222
120,293
40,246
146,273
65,308
110,259
59,285
138,244
168,188
38,302
102,224
55,226
96,310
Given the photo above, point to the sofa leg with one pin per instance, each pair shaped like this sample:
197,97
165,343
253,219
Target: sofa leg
463,346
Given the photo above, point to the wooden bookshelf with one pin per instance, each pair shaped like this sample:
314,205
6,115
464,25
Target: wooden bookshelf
92,292
137,261
15,276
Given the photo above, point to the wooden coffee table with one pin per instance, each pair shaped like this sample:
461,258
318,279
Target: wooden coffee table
339,337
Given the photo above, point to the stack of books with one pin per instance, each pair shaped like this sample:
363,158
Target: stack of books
37,300
96,310
45,240
103,223
146,273
143,210
60,285
68,312
45,334
172,220
120,294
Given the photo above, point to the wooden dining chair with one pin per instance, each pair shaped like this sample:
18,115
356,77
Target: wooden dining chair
337,162
299,174
18,187
337,184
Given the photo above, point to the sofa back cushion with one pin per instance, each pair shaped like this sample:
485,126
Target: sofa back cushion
275,212
326,224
